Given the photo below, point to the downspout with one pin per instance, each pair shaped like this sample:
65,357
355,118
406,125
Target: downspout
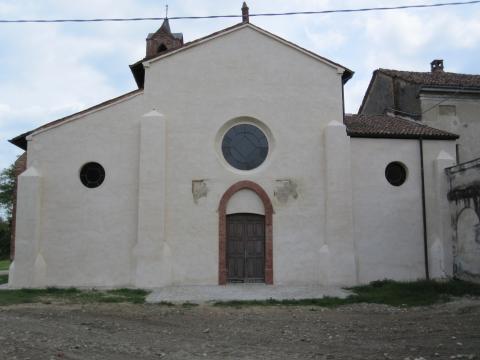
424,211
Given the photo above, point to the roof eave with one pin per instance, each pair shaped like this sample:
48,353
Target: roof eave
403,136
138,72
20,140
347,75
450,89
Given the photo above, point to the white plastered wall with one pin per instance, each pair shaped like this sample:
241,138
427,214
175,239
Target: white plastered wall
245,201
116,234
388,220
464,120
438,155
86,235
245,73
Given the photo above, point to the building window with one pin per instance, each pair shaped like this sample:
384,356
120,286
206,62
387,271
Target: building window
447,110
396,173
245,147
92,174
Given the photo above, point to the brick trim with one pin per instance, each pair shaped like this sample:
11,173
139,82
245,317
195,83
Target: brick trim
222,230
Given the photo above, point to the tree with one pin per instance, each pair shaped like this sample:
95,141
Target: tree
4,239
7,186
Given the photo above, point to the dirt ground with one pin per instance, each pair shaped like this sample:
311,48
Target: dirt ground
124,331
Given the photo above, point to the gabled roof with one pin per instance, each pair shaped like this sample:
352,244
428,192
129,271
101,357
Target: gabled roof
139,71
435,78
385,126
21,140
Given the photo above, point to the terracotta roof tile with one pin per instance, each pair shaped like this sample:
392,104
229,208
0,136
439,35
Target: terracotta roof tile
385,126
437,78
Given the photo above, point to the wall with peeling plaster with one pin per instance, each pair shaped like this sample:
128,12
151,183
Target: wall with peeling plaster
461,117
464,197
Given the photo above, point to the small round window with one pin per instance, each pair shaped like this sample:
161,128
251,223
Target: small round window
245,147
92,174
396,173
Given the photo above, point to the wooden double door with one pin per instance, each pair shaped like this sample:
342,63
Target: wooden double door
245,248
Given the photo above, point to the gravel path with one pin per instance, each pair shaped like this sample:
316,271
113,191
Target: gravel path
124,331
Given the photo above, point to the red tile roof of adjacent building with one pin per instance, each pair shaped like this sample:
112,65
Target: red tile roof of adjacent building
386,126
435,78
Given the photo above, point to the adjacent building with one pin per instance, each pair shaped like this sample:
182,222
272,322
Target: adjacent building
444,100
451,102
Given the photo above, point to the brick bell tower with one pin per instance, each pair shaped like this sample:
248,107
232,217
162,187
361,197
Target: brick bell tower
159,42
163,40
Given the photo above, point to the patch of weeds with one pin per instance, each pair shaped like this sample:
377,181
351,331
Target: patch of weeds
388,292
165,303
188,305
415,293
4,264
62,291
22,296
133,296
3,279
72,295
324,302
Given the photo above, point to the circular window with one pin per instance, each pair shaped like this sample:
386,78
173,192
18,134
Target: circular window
92,174
245,147
396,173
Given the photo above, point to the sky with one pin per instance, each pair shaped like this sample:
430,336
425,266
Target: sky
48,71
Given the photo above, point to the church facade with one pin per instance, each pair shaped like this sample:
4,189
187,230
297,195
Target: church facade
233,162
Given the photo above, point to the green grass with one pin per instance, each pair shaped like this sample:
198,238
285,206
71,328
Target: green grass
72,295
3,279
4,264
405,294
418,293
189,304
325,302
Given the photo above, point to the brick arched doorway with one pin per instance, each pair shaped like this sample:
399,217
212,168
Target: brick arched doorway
222,231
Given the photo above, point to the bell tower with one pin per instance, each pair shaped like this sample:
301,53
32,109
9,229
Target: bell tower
163,40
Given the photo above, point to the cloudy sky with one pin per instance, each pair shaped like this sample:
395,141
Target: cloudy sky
51,70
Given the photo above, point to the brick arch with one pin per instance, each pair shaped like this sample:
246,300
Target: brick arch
222,231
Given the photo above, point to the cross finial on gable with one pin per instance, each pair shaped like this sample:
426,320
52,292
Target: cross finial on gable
245,14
